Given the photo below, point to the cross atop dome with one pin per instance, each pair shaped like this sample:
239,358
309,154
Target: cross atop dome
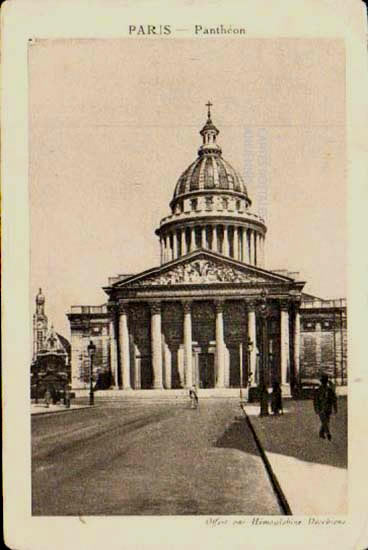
209,105
209,133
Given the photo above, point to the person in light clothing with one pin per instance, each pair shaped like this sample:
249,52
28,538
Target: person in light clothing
193,394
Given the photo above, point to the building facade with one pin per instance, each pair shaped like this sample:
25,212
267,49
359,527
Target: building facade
51,353
211,313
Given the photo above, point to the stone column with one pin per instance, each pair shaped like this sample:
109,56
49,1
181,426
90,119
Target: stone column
167,365
220,345
167,248
263,251
188,367
183,243
113,349
236,243
163,249
251,246
297,345
256,251
175,245
225,244
161,252
259,250
284,330
192,239
156,345
203,237
245,246
214,238
252,336
124,346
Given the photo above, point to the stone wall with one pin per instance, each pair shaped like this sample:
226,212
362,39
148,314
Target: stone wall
324,344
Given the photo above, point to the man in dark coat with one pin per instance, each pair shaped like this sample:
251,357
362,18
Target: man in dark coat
324,402
276,399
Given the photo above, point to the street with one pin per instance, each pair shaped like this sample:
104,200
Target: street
149,459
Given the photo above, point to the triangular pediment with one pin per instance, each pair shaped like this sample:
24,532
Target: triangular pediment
202,267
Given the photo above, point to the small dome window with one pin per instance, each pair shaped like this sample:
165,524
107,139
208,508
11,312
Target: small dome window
194,204
209,203
225,203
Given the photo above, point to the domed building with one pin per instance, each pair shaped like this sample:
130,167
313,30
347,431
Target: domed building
210,209
50,365
211,314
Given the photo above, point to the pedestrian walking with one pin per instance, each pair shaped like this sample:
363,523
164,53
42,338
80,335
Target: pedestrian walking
325,402
193,394
276,399
47,398
67,397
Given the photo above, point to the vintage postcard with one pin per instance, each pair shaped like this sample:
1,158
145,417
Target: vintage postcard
184,277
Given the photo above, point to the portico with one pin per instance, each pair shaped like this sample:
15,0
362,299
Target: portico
191,331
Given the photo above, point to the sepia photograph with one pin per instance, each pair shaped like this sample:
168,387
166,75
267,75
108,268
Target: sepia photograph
188,276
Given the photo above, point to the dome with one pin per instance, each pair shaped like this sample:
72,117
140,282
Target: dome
209,172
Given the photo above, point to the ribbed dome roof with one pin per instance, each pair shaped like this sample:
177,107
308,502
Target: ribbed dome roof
209,172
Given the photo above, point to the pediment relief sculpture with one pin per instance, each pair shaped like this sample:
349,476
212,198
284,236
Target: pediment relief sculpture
200,272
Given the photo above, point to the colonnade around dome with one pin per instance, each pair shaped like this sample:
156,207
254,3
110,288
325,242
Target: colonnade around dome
233,241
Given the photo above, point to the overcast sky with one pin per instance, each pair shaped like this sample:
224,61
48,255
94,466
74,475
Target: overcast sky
113,124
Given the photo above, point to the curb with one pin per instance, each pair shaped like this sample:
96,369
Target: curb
62,411
271,474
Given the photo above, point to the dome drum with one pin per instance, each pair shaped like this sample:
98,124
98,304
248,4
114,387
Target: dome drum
208,200
238,241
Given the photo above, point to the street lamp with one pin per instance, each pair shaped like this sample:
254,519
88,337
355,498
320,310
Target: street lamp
250,346
91,352
263,393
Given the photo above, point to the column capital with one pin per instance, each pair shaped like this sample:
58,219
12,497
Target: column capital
284,305
250,305
219,305
155,307
123,307
112,307
187,305
296,299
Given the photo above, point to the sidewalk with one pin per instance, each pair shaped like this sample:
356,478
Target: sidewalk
311,471
40,408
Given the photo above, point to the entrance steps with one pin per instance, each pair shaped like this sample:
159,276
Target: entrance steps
157,395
